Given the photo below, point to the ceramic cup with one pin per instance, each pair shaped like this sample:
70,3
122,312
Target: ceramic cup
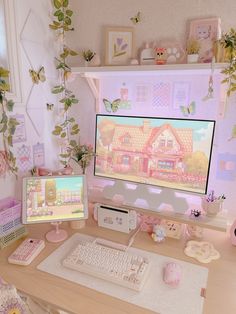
212,208
192,58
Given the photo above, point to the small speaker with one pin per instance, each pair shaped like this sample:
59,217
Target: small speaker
233,233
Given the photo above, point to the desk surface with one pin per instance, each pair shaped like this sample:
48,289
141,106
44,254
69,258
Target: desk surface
220,294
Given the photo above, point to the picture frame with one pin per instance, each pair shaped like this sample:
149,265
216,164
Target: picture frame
206,32
119,45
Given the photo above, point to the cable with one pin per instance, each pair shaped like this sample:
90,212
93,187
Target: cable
131,239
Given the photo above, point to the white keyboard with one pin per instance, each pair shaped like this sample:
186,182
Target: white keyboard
101,259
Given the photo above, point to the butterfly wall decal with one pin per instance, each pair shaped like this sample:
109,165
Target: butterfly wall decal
38,76
136,19
112,106
188,110
50,107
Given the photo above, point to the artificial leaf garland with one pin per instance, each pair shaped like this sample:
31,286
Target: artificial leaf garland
62,23
7,124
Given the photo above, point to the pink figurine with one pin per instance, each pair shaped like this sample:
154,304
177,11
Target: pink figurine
67,170
172,274
161,55
44,172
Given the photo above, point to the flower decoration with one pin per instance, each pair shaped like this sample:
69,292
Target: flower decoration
88,55
10,301
13,307
158,233
81,154
119,47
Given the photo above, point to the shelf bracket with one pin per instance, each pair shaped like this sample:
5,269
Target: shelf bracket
94,85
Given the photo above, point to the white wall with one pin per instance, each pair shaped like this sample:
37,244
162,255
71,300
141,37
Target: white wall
160,20
36,48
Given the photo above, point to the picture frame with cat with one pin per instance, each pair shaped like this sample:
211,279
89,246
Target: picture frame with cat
206,32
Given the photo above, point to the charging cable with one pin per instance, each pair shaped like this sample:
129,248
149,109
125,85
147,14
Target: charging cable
132,238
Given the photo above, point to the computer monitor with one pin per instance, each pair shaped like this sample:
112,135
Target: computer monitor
54,199
164,152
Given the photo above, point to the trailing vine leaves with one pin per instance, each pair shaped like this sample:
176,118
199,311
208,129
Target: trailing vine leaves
228,41
230,79
63,15
7,124
62,23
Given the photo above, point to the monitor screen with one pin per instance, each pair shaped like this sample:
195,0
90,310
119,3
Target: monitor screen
164,152
53,199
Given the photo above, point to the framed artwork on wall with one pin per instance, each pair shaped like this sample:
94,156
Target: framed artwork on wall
206,32
119,45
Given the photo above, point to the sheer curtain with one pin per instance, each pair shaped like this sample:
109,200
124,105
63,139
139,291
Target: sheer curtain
3,37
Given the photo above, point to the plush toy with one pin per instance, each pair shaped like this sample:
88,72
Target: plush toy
161,55
158,233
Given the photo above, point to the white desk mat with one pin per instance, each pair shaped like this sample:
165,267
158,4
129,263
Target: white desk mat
155,295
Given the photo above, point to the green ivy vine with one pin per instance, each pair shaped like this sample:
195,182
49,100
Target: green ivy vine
7,124
62,23
228,41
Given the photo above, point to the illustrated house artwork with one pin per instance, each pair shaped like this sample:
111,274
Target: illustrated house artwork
142,152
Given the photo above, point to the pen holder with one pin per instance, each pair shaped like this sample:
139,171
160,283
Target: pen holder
77,224
212,208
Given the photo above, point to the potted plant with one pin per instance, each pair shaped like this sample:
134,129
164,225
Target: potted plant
82,154
193,47
88,56
228,42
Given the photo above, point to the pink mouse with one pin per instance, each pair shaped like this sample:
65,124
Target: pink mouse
172,274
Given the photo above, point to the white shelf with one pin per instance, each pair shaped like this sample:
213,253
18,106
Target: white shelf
217,223
130,70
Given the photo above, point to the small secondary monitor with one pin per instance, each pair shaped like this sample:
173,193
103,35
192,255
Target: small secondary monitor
164,152
54,199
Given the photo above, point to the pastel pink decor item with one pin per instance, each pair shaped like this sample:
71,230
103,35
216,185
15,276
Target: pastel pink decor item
172,274
48,172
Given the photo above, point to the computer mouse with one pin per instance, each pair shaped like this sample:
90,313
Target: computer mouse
172,273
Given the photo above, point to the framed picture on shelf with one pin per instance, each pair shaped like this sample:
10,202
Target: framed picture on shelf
119,45
206,32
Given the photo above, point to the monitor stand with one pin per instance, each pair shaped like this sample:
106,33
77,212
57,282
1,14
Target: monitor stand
155,199
56,235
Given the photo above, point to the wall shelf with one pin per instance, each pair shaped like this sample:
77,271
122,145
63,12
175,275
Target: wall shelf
149,70
93,75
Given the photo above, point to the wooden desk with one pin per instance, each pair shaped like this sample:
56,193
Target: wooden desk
220,294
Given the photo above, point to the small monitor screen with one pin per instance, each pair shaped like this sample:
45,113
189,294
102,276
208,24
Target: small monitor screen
164,152
49,199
